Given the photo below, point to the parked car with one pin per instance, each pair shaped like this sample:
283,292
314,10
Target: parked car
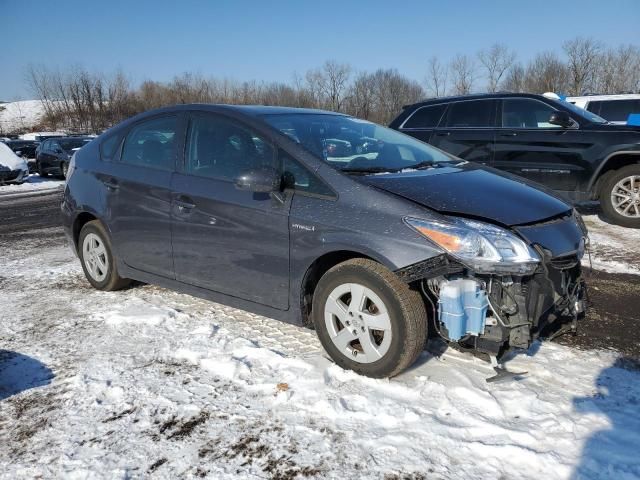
614,108
13,169
554,143
244,205
25,149
54,154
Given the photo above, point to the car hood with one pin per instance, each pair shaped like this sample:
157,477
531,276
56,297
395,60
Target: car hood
474,191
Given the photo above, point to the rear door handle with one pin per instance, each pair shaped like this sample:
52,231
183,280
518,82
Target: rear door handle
443,134
111,184
508,134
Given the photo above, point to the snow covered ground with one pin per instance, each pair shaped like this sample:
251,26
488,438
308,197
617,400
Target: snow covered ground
34,183
148,382
613,249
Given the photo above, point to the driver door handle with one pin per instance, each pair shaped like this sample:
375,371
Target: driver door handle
184,203
443,134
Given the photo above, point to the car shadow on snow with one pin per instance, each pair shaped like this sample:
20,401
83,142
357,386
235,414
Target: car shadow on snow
612,452
20,372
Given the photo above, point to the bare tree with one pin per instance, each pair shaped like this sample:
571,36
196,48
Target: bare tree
582,55
391,92
436,80
361,97
618,70
463,72
514,80
545,73
329,83
496,60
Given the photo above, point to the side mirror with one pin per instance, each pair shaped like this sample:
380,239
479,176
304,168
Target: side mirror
259,180
18,153
562,119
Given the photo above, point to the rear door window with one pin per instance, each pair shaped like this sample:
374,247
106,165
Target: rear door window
425,117
152,144
471,114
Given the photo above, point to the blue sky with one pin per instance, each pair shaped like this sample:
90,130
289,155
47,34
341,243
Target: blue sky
268,41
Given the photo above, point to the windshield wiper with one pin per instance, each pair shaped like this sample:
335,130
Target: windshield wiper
421,165
369,170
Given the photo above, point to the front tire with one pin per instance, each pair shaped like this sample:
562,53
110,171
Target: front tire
97,260
64,169
620,197
368,320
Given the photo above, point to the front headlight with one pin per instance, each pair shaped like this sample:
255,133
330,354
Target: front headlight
483,247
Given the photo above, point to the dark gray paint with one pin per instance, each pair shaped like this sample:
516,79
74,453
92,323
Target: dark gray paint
252,250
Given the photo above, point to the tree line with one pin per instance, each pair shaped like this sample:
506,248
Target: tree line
80,100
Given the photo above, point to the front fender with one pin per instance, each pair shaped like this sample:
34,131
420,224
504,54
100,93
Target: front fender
629,150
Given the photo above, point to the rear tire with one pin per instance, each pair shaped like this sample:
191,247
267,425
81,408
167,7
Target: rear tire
64,169
380,335
97,260
620,197
41,172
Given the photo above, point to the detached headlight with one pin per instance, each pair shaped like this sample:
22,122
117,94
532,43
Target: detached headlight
483,247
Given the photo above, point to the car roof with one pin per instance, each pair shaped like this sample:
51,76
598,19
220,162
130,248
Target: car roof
74,137
617,96
253,110
472,96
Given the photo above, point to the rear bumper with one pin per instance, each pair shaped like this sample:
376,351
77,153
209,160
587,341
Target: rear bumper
67,215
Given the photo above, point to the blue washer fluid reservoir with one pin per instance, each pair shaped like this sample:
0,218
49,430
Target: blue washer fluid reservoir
462,308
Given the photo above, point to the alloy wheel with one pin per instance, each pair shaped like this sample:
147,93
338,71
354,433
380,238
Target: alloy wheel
358,322
625,197
95,257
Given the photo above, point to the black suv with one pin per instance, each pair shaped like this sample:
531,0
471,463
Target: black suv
321,218
552,142
54,154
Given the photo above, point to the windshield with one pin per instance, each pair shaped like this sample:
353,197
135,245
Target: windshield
74,143
356,145
592,117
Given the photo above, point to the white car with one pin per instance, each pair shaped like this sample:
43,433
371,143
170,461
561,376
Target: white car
614,108
13,169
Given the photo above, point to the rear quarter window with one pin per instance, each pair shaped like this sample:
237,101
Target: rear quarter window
618,110
109,147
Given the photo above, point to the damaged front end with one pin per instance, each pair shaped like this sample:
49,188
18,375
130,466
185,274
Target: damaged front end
495,306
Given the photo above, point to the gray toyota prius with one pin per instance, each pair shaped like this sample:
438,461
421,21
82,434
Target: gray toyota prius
370,236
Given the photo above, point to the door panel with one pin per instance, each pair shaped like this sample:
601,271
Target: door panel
528,146
139,203
138,194
467,130
231,241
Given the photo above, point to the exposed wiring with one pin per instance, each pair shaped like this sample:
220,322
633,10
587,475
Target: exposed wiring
433,310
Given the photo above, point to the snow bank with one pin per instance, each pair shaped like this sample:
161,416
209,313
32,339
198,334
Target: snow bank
34,183
21,115
148,381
